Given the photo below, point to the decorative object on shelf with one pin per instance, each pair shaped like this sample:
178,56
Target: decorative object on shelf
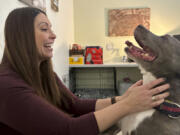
76,50
76,54
122,22
110,47
55,5
41,4
76,47
124,59
112,52
94,55
76,60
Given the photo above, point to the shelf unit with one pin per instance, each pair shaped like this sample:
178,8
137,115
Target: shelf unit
96,76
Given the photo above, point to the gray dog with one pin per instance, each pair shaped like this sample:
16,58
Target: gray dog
158,56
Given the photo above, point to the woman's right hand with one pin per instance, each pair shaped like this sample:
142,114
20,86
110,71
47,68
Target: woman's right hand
142,97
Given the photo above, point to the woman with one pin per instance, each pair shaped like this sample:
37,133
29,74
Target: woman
33,100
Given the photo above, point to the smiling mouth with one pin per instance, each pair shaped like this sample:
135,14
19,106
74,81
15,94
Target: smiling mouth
48,45
144,53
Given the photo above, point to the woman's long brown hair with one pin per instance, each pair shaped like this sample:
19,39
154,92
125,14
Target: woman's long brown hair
22,55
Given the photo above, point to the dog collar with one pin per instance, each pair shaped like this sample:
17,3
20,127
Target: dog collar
170,108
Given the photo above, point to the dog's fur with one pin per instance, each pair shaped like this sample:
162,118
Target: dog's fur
165,64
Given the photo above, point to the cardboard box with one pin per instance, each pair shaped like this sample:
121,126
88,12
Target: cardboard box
76,60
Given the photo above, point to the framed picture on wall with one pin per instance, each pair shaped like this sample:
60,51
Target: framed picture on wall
122,22
41,4
55,5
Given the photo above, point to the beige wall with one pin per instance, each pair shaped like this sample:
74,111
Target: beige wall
62,24
5,7
90,18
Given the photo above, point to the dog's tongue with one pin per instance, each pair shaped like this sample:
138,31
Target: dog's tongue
139,53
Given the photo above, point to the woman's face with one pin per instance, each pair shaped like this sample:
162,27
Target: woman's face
44,36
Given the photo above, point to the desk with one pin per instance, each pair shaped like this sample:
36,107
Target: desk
103,73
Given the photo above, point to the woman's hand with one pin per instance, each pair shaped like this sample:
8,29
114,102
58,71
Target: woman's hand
138,83
137,98
142,97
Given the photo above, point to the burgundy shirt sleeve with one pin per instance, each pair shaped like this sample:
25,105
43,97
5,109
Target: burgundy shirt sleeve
29,114
79,106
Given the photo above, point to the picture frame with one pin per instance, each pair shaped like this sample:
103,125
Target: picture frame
122,22
41,4
55,5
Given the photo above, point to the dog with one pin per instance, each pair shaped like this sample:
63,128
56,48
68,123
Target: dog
159,56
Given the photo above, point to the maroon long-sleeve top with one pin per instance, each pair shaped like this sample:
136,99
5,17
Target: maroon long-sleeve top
22,112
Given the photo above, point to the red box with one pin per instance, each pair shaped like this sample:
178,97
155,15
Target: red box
94,55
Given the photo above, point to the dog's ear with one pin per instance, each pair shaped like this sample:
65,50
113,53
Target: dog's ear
177,37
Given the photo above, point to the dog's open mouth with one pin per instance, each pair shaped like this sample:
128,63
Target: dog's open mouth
144,53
